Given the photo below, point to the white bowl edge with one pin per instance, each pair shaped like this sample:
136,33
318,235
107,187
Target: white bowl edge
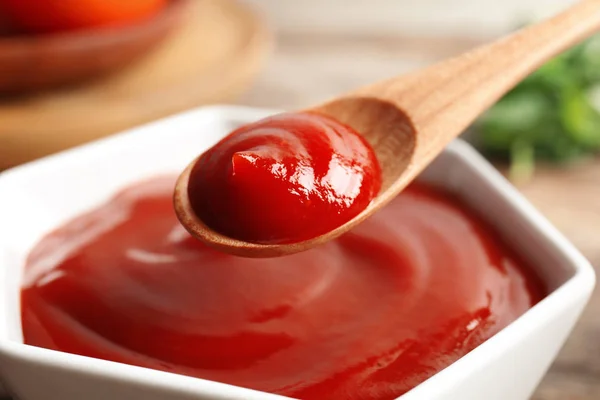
570,295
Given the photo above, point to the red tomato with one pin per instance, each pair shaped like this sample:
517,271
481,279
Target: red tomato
40,16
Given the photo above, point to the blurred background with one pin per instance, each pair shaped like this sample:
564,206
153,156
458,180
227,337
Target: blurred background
75,70
324,47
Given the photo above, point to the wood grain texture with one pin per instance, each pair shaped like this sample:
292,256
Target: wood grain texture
211,57
409,119
326,64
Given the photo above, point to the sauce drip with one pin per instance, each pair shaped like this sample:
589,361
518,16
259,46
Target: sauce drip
284,179
367,316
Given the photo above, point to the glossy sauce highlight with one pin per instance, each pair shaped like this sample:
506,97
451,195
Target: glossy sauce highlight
284,179
365,317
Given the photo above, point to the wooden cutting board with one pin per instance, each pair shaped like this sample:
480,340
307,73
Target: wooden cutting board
212,57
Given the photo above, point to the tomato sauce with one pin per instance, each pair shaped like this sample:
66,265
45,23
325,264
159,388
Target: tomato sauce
367,316
52,16
284,179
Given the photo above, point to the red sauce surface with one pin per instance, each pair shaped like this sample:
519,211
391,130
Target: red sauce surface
284,179
367,316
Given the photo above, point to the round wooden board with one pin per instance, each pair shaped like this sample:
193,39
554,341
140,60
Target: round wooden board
210,58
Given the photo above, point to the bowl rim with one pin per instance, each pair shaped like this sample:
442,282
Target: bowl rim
73,40
578,286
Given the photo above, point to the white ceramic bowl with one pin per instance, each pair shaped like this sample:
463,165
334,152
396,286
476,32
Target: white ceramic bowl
38,197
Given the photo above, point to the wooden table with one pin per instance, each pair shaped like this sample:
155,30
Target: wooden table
570,199
307,68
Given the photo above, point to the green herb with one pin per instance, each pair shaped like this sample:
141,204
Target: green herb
552,115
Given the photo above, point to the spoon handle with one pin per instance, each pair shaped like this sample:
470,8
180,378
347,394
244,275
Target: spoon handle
444,99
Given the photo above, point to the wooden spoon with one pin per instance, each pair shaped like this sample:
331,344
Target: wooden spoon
408,120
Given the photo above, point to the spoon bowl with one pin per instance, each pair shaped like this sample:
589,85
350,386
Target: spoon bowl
396,145
410,119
